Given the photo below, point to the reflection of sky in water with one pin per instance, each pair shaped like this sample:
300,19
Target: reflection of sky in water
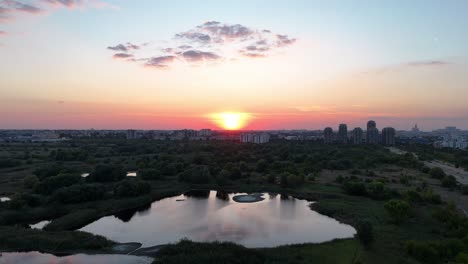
40,258
5,199
271,222
40,225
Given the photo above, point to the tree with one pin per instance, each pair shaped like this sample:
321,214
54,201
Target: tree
107,173
377,190
50,184
131,187
30,181
365,232
79,193
398,210
150,174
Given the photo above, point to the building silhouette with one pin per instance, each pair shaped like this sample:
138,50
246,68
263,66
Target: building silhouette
343,133
372,133
388,136
358,135
328,135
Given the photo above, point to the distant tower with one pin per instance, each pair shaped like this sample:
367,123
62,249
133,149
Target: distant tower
357,135
343,133
415,129
328,135
388,136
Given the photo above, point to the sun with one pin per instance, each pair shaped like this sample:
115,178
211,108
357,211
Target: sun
231,120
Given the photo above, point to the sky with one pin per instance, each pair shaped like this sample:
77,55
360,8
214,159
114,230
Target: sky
148,64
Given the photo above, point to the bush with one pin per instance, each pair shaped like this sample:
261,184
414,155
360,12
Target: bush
398,210
131,188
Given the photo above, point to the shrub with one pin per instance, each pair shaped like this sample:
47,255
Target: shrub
398,210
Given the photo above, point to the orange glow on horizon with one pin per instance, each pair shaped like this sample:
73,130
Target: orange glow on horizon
231,120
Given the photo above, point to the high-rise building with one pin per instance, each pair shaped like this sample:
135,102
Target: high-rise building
372,136
388,136
328,135
371,124
357,135
343,133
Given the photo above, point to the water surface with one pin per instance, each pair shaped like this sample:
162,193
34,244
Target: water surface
39,225
210,216
41,258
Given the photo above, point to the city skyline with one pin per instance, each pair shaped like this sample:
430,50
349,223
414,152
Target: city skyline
113,64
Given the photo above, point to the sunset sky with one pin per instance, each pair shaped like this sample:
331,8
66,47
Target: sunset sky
148,64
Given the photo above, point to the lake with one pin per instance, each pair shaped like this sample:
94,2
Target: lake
41,258
211,215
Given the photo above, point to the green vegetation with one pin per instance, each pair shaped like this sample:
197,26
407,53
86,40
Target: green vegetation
393,201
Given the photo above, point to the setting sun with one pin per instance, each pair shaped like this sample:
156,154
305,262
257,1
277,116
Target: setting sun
231,120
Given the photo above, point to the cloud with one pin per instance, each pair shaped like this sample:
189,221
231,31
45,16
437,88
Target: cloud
122,56
209,42
396,68
196,55
67,3
160,62
10,8
429,63
124,47
2,33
